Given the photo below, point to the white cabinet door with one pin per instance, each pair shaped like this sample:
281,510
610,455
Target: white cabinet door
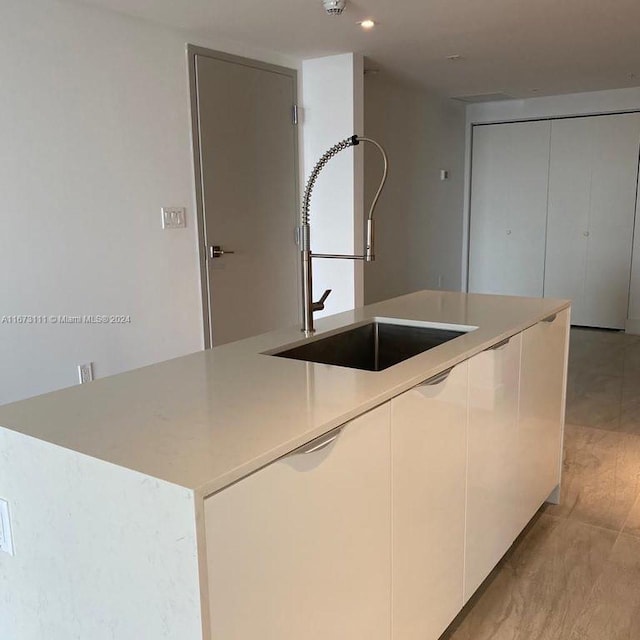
493,500
428,436
541,420
592,195
301,549
509,179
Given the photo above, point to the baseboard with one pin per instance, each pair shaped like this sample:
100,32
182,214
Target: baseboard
632,325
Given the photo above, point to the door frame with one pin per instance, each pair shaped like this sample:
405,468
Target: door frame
192,52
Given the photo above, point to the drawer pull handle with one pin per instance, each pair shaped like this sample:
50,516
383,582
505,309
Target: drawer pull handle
500,345
437,379
551,318
318,443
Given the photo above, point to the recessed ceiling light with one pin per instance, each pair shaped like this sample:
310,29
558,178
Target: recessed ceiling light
367,24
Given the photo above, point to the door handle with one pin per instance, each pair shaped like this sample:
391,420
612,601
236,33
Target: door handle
550,319
216,251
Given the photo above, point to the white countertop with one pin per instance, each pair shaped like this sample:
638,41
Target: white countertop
205,420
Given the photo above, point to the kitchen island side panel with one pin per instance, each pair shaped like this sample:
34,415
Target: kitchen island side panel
101,552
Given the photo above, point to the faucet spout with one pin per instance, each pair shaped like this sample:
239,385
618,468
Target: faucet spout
304,238
369,253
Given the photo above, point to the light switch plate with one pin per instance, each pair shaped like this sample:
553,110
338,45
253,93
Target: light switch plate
6,539
174,217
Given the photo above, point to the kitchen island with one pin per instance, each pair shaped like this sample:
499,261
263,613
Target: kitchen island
234,494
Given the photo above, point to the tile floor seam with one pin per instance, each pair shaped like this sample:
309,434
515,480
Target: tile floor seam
589,524
624,525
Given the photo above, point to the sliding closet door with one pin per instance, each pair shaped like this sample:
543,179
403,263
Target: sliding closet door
510,168
592,194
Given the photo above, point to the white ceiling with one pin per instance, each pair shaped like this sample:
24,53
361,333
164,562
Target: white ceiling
518,47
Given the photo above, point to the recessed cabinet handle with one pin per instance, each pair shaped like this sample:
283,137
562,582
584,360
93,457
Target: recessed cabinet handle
437,379
500,345
318,443
550,319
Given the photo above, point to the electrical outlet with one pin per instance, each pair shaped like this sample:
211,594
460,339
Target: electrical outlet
85,372
174,217
6,538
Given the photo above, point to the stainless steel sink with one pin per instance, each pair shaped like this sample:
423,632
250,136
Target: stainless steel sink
374,346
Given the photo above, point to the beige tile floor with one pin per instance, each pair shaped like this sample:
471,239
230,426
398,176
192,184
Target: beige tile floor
574,574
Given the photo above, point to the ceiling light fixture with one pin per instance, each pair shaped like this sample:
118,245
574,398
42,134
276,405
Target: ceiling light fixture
334,7
367,24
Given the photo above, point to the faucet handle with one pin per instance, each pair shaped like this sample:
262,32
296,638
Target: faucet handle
319,306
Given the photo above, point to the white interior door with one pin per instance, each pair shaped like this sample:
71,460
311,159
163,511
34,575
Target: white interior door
510,168
248,176
592,195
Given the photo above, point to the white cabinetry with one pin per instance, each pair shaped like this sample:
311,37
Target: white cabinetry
542,402
509,208
428,435
384,528
592,194
301,549
493,492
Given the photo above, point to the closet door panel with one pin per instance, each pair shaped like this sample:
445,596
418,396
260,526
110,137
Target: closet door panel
508,208
568,219
592,191
606,298
613,196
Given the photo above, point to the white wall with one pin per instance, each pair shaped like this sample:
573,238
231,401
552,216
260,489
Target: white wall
332,110
597,102
95,131
419,218
101,552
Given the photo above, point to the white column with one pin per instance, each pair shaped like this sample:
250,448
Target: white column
333,109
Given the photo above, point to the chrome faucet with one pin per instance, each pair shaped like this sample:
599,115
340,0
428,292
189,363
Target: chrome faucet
308,306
